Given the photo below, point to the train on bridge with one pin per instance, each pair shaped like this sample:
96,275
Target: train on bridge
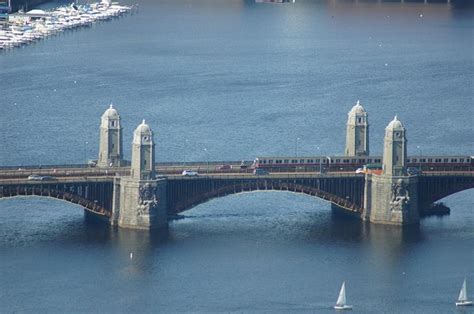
345,163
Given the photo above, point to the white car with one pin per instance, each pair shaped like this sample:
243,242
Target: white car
35,177
190,173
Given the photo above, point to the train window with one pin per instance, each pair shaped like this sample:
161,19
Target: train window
338,160
430,160
301,161
413,160
362,161
408,160
423,160
346,161
454,160
310,161
446,160
264,161
278,161
294,161
461,159
317,160
286,161
354,161
369,161
377,160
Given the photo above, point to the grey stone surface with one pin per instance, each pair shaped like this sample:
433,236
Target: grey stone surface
391,199
141,204
110,147
395,149
357,132
143,153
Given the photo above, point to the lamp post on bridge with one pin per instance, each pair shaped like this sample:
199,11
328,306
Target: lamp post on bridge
184,151
207,161
296,153
296,146
85,151
320,160
329,162
419,159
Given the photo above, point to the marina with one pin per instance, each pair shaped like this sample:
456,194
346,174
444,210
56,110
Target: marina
22,28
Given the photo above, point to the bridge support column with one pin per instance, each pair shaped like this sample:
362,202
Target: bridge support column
391,199
140,204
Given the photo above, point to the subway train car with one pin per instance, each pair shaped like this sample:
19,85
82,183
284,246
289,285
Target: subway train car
352,163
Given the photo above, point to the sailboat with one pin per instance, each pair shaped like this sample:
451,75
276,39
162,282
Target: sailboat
462,300
341,300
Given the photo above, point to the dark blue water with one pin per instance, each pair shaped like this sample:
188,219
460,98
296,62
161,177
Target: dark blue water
239,79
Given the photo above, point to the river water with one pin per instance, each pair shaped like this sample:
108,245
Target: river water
239,79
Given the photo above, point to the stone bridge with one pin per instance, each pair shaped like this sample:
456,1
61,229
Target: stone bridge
138,194
100,194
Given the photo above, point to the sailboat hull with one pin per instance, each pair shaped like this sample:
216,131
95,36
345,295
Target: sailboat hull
343,307
464,303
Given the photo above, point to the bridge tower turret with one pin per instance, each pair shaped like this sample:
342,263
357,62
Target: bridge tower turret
357,132
143,153
395,149
392,197
110,148
140,199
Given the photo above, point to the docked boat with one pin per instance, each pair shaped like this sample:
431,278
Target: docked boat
341,300
462,299
36,24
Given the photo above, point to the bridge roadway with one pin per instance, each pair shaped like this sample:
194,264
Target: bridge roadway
93,188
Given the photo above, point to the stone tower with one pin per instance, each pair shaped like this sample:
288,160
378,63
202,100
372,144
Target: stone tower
140,199
395,149
143,153
110,148
392,197
357,133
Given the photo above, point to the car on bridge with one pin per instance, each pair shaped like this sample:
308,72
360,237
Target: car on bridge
224,167
35,177
190,173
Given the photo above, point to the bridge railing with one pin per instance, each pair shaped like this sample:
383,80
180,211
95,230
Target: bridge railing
63,180
269,176
127,162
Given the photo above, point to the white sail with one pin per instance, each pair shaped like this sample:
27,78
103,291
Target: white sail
463,292
341,300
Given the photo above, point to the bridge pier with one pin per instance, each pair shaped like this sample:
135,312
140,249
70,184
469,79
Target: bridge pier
391,199
139,204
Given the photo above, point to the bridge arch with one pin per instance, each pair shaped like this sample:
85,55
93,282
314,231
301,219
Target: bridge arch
194,198
63,195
